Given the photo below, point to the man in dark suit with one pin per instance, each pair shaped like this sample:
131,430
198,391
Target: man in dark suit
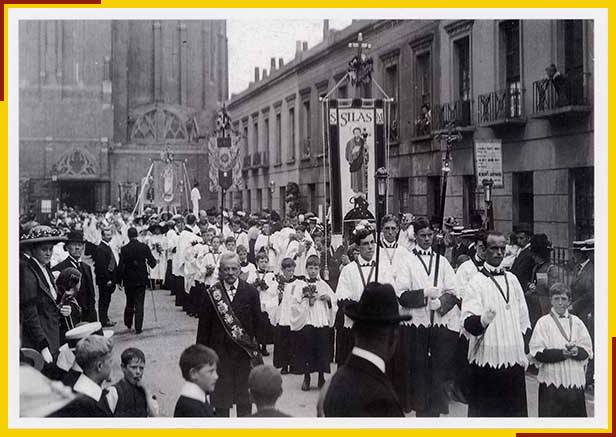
133,274
105,266
38,310
583,292
234,364
523,265
360,388
94,355
86,296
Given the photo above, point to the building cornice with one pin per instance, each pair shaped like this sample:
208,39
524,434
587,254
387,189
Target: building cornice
459,27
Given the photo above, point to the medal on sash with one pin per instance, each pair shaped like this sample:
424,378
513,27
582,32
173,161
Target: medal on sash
561,329
361,273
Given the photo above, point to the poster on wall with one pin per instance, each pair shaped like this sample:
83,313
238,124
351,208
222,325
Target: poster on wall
489,161
356,151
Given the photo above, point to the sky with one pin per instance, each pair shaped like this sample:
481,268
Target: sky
253,42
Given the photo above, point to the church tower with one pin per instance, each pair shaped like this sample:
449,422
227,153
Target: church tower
101,99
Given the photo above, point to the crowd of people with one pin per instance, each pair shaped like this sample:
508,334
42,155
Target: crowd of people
433,313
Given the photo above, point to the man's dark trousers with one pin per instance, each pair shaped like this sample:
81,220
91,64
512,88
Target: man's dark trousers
104,299
135,296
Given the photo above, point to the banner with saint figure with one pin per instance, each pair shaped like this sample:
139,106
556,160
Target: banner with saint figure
356,150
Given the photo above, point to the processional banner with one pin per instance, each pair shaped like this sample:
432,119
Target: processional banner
356,146
225,163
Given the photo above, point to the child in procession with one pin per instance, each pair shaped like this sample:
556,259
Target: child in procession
560,347
313,316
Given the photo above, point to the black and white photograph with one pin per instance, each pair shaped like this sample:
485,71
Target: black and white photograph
293,218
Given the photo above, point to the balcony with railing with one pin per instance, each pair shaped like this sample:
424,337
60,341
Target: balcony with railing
562,96
247,164
256,160
305,148
457,113
265,160
501,108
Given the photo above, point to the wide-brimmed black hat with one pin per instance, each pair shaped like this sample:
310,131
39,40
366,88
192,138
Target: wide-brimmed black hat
161,227
378,305
41,234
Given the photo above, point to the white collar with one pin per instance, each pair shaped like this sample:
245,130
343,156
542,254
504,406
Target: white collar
235,285
370,356
193,391
105,242
566,315
584,264
525,247
425,252
364,263
86,386
490,268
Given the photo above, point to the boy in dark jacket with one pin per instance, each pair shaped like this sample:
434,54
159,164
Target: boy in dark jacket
198,364
129,397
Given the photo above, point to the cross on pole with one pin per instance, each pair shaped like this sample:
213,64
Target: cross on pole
359,45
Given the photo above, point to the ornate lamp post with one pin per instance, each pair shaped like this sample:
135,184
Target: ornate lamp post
381,191
487,197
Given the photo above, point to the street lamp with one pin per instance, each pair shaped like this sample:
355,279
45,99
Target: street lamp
487,197
381,191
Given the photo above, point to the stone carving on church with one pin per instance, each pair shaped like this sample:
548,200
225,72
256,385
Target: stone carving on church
75,162
163,124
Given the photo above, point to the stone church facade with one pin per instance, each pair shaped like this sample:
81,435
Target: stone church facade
100,101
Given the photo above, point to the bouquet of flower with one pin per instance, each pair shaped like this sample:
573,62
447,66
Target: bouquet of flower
260,284
310,292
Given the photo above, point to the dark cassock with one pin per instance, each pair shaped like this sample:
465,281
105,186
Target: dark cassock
431,337
234,361
353,279
496,352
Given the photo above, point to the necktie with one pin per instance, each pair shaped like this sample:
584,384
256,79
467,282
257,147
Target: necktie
231,292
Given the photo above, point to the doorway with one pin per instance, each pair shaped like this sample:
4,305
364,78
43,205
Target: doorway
78,194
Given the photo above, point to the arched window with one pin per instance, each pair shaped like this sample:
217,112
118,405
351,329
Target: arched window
163,124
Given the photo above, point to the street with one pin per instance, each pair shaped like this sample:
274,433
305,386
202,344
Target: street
164,340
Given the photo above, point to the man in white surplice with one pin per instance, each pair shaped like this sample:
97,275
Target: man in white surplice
495,318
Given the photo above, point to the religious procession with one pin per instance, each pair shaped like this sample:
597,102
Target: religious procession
368,300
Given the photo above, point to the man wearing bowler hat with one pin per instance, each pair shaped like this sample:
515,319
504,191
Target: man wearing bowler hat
86,297
360,388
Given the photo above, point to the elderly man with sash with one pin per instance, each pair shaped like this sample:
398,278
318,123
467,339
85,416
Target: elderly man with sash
227,323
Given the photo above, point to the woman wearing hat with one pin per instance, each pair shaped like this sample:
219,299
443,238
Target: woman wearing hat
38,297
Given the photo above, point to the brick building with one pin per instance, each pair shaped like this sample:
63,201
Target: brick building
485,76
100,99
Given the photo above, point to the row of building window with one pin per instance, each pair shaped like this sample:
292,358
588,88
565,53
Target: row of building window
492,107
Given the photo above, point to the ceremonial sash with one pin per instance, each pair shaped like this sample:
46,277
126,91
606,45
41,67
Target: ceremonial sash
232,325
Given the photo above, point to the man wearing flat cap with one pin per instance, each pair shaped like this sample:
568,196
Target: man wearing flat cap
361,388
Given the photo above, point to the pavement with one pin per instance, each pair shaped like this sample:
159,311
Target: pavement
165,337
